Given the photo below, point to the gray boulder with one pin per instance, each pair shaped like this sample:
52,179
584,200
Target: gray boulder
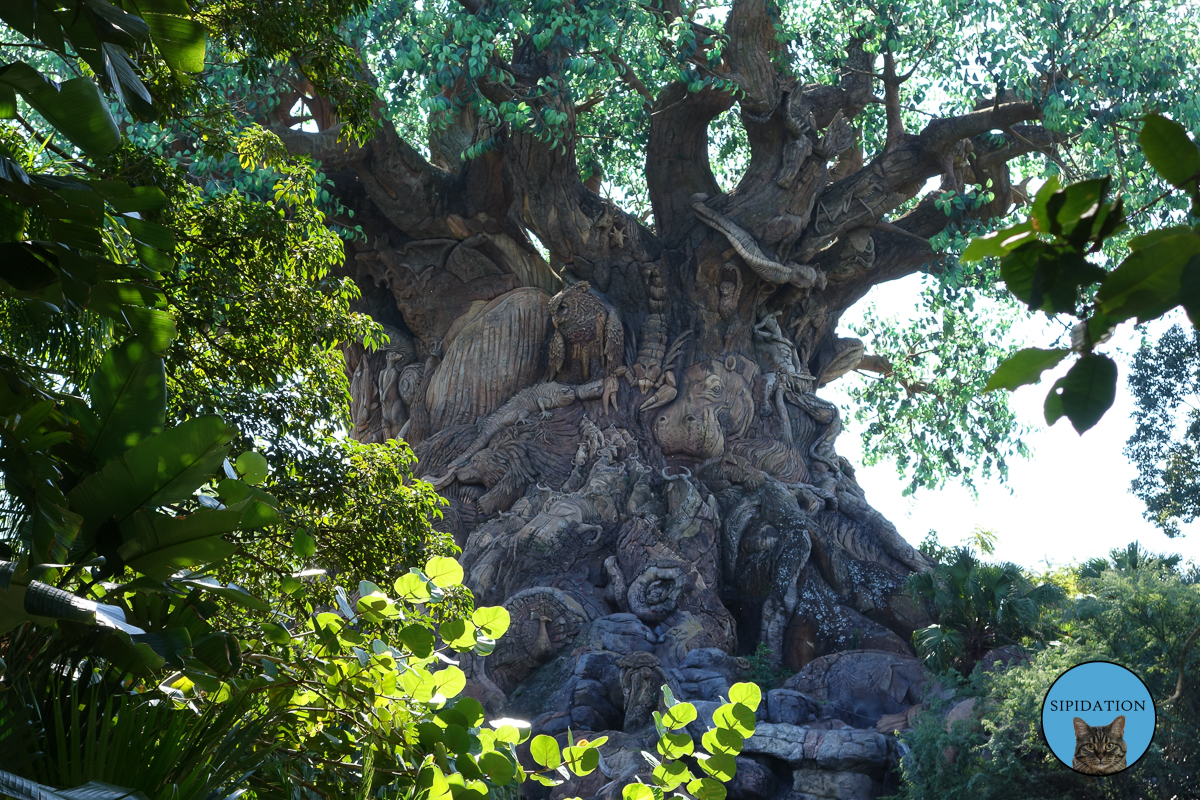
860,686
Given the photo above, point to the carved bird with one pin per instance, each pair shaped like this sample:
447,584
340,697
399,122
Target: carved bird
593,332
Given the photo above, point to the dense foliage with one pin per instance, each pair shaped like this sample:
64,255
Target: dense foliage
1138,613
979,606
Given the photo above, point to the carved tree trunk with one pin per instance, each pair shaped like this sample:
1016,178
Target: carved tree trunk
631,436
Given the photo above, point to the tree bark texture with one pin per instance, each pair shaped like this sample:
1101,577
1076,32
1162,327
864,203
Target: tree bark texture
630,433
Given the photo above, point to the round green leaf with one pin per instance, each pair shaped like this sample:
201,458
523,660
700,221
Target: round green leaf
458,633
289,585
721,740
412,588
545,751
735,717
232,491
679,715
275,634
581,760
637,791
418,639
497,767
252,467
748,694
303,544
492,621
472,711
707,789
449,681
444,572
456,738
670,774
675,745
720,766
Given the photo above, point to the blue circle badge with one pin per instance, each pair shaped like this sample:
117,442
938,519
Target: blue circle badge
1098,718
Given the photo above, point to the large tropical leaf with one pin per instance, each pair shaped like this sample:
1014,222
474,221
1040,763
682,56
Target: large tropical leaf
22,789
129,397
41,603
167,468
75,108
159,545
181,39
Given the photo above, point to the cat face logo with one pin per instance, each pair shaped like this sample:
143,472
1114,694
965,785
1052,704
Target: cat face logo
1098,718
1099,749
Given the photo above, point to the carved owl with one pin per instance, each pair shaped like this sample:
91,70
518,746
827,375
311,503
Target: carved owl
585,330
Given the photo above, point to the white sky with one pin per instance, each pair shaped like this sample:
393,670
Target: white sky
1069,502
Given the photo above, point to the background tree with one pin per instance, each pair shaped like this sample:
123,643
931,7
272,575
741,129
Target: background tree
1164,444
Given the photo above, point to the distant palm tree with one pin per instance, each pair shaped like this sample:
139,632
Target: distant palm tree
1131,558
979,606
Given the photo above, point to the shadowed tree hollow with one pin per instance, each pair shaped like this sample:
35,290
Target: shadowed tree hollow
610,366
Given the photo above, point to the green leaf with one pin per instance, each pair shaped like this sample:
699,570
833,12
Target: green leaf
450,681
998,243
1038,215
412,588
1173,155
418,639
492,621
180,38
707,789
444,572
276,634
670,774
497,767
747,694
472,711
1147,281
735,717
75,108
303,545
252,467
129,397
581,760
1023,367
165,469
675,745
160,544
1053,408
1088,390
637,791
679,715
544,750
721,766
219,651
458,633
722,740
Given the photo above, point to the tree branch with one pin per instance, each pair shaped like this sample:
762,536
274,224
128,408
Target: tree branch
1187,645
677,163
750,55
884,368
409,191
631,77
